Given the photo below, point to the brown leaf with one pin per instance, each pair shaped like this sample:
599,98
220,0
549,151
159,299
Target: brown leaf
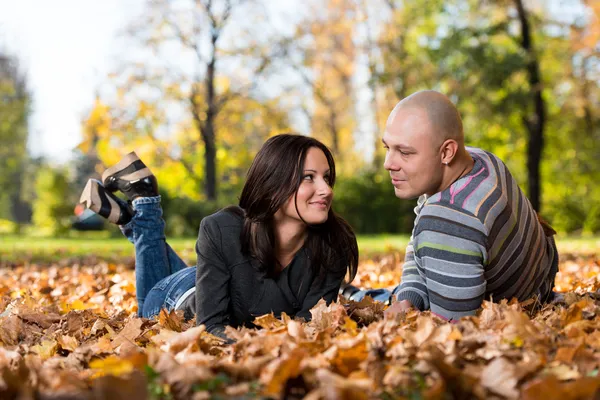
366,311
425,329
550,388
547,388
296,330
268,322
180,341
10,330
336,387
43,320
68,343
129,333
172,320
567,354
103,345
326,317
499,377
132,387
562,372
350,354
575,312
276,373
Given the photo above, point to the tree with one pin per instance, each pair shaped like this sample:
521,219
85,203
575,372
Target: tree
535,123
200,82
52,208
14,131
325,40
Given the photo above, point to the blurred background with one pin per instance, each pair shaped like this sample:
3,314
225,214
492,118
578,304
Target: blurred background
195,87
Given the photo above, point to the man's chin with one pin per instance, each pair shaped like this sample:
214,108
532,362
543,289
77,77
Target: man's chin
404,195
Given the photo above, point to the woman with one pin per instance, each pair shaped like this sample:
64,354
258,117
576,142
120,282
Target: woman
281,250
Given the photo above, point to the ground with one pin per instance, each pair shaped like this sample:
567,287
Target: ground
69,331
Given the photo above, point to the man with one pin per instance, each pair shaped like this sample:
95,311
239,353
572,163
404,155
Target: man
475,235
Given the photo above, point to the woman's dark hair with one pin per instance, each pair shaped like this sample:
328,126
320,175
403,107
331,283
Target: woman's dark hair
275,175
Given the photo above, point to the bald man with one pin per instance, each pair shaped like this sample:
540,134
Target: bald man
475,235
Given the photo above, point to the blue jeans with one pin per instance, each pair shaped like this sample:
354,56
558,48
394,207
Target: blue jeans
382,295
161,276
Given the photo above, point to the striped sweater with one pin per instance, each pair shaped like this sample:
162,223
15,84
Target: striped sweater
478,239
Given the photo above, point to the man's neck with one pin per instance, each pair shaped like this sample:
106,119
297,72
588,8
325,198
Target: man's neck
457,169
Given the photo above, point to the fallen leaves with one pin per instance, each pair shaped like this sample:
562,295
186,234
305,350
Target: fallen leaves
72,331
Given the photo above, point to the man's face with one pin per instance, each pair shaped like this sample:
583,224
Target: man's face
413,157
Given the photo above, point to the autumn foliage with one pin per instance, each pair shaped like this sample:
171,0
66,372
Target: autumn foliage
69,331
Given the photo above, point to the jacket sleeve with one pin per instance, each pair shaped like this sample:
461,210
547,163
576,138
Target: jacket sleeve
326,288
212,280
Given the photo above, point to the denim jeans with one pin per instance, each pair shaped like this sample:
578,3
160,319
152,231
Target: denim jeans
161,276
382,295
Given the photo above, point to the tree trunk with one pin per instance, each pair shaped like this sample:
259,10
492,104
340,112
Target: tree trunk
208,131
534,123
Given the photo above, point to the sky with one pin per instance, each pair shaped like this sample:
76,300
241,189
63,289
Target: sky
66,48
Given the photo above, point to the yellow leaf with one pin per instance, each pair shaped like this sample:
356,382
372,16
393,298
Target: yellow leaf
46,349
111,365
268,321
277,373
67,342
350,326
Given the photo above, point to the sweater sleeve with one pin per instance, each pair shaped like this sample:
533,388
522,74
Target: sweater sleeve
327,288
212,280
413,286
451,255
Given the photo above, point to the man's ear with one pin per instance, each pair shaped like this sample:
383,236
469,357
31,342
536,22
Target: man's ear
448,151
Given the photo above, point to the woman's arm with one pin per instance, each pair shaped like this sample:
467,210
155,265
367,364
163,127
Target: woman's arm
326,288
212,280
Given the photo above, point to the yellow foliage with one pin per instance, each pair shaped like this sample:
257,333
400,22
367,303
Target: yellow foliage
111,365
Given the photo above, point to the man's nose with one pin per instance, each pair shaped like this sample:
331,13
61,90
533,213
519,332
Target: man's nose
387,163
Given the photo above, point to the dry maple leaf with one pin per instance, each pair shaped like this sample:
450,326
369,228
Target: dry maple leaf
275,375
341,353
499,377
172,320
129,333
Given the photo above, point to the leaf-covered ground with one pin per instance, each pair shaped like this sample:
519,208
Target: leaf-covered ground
69,331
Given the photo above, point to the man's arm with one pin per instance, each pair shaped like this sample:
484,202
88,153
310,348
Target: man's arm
451,248
413,287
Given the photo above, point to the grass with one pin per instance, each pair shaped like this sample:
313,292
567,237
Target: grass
100,244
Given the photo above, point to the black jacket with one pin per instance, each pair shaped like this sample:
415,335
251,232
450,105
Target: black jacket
231,291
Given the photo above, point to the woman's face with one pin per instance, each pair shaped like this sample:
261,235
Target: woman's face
314,196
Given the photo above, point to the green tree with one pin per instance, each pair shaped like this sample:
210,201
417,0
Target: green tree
14,130
53,206
213,69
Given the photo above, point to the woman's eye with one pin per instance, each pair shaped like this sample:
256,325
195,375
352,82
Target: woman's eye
308,177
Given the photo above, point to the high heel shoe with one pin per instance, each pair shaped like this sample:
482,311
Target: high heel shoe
104,203
131,177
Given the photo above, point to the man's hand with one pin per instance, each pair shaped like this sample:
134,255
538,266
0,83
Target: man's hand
396,308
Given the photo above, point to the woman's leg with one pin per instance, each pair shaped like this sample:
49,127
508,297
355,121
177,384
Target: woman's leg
154,258
167,292
353,293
